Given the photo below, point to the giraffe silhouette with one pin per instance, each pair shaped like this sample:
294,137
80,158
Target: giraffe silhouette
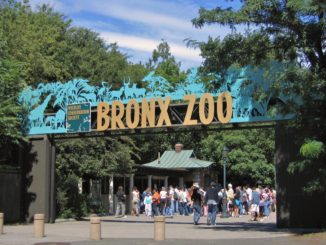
36,116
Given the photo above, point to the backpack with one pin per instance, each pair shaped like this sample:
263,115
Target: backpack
175,196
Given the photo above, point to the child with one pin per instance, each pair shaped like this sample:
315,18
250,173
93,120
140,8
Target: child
148,204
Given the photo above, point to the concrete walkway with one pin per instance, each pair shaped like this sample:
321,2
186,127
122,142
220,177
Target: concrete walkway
139,230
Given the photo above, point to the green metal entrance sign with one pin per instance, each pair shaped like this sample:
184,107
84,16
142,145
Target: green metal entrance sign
79,118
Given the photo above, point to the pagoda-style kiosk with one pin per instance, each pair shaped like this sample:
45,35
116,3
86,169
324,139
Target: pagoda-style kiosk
176,167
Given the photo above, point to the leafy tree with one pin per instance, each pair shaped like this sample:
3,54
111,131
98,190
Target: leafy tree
102,157
33,38
295,28
234,49
86,55
10,85
311,151
136,72
49,49
165,64
290,31
250,156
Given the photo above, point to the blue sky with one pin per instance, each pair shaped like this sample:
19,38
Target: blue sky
139,25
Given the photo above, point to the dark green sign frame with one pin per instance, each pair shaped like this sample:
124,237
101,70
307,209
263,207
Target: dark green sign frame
78,118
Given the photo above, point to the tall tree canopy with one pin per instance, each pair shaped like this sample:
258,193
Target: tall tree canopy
290,31
165,64
296,28
41,46
249,158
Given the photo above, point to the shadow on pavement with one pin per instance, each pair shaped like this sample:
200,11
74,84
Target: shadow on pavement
256,226
224,226
255,241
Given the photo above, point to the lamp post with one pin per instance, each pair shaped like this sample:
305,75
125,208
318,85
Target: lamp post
224,201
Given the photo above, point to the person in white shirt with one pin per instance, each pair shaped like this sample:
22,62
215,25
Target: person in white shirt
173,201
183,202
163,194
230,196
135,201
249,193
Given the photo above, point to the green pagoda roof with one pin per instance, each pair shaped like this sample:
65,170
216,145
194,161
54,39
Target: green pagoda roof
178,160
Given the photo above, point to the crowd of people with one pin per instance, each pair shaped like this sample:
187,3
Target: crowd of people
196,201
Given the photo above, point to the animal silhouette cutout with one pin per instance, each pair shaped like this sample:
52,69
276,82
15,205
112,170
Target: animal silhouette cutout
157,84
244,84
129,93
49,121
36,116
117,94
138,92
103,92
60,117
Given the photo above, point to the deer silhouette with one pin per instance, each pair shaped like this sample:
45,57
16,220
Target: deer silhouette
129,93
138,92
117,93
103,92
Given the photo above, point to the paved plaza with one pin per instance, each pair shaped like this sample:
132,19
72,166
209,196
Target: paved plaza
139,230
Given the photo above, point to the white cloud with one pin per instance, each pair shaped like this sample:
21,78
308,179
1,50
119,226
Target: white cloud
158,17
148,45
139,25
148,18
163,17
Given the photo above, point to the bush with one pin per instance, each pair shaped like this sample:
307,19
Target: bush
70,203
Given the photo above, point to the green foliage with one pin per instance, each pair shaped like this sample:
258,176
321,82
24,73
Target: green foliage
312,152
96,157
297,166
70,203
89,159
34,38
312,149
49,49
234,49
249,160
10,84
85,55
295,27
165,64
250,156
136,72
151,145
290,31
